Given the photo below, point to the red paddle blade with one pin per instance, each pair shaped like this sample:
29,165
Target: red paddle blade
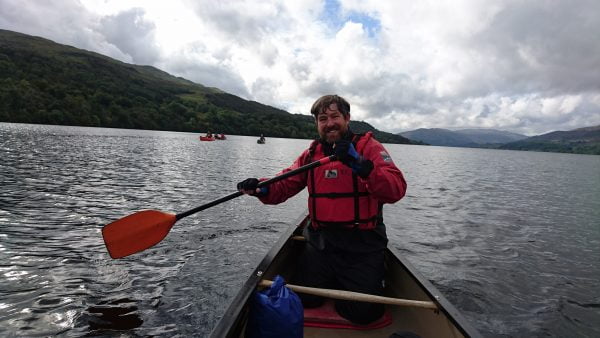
136,232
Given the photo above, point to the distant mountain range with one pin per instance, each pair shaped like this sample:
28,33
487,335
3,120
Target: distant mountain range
45,82
582,140
462,137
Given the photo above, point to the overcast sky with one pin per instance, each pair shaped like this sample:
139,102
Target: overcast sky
523,66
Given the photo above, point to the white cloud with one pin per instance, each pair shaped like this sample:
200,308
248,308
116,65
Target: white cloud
528,67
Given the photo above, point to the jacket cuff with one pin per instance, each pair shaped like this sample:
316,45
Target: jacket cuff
264,191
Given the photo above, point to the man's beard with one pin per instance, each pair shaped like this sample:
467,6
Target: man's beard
341,135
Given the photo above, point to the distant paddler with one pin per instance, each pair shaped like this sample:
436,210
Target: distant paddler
209,137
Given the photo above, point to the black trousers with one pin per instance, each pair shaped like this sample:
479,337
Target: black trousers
343,270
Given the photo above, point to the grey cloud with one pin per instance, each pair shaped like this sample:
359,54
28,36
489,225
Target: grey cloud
311,83
378,94
545,46
264,90
126,36
386,94
59,21
219,76
322,87
66,22
300,71
245,27
530,49
134,36
532,121
485,112
268,53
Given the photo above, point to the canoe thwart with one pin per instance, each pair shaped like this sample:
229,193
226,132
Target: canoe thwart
354,296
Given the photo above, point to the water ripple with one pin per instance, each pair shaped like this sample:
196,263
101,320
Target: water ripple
509,237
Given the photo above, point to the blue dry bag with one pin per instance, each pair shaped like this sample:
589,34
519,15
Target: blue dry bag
275,312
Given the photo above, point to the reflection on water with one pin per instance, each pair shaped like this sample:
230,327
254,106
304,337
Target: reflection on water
509,237
118,314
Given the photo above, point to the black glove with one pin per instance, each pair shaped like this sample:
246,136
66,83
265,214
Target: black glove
345,152
250,185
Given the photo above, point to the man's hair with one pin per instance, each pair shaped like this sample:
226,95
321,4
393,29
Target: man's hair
324,101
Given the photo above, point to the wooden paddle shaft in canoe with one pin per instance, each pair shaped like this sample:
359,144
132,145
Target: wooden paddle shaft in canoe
354,296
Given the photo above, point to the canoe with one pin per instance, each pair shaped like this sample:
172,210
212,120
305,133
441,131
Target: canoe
259,141
204,138
403,281
221,137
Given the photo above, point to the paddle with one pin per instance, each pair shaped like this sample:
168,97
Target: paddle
144,229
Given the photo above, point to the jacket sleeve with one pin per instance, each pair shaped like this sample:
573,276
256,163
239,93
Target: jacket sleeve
280,191
386,182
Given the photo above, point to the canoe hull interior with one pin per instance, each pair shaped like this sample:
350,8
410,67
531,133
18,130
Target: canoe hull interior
402,281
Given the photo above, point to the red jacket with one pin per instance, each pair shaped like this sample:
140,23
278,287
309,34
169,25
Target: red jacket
385,183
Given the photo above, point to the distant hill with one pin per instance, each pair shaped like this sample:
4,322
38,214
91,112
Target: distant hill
490,136
438,137
45,82
463,137
582,141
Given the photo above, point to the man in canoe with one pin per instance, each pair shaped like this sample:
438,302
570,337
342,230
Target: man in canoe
346,237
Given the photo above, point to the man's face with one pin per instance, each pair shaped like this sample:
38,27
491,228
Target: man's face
332,124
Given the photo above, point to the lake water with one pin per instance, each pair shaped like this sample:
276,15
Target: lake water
511,238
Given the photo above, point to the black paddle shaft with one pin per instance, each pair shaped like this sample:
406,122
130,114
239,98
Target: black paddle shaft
297,171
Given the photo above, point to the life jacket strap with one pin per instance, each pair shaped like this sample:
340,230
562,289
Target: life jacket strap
345,223
340,194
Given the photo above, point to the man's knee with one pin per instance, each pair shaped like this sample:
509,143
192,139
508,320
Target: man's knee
310,301
359,312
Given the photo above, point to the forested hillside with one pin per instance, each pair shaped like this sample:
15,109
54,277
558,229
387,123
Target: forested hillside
45,82
582,141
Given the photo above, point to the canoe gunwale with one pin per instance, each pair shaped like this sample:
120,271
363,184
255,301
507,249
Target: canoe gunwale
232,314
436,296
